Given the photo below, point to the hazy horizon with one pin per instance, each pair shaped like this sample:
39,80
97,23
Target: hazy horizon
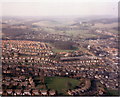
47,8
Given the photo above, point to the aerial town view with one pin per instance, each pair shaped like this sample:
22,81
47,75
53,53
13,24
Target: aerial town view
59,50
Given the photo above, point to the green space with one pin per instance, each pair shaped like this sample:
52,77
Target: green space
61,84
112,92
60,50
47,23
80,33
61,46
102,25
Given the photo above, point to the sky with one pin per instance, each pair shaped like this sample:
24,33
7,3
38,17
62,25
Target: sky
59,7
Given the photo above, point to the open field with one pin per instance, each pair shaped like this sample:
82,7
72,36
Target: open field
101,25
59,50
47,23
113,92
61,84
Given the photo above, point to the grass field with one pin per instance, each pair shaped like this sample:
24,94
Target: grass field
113,92
59,50
56,50
61,84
